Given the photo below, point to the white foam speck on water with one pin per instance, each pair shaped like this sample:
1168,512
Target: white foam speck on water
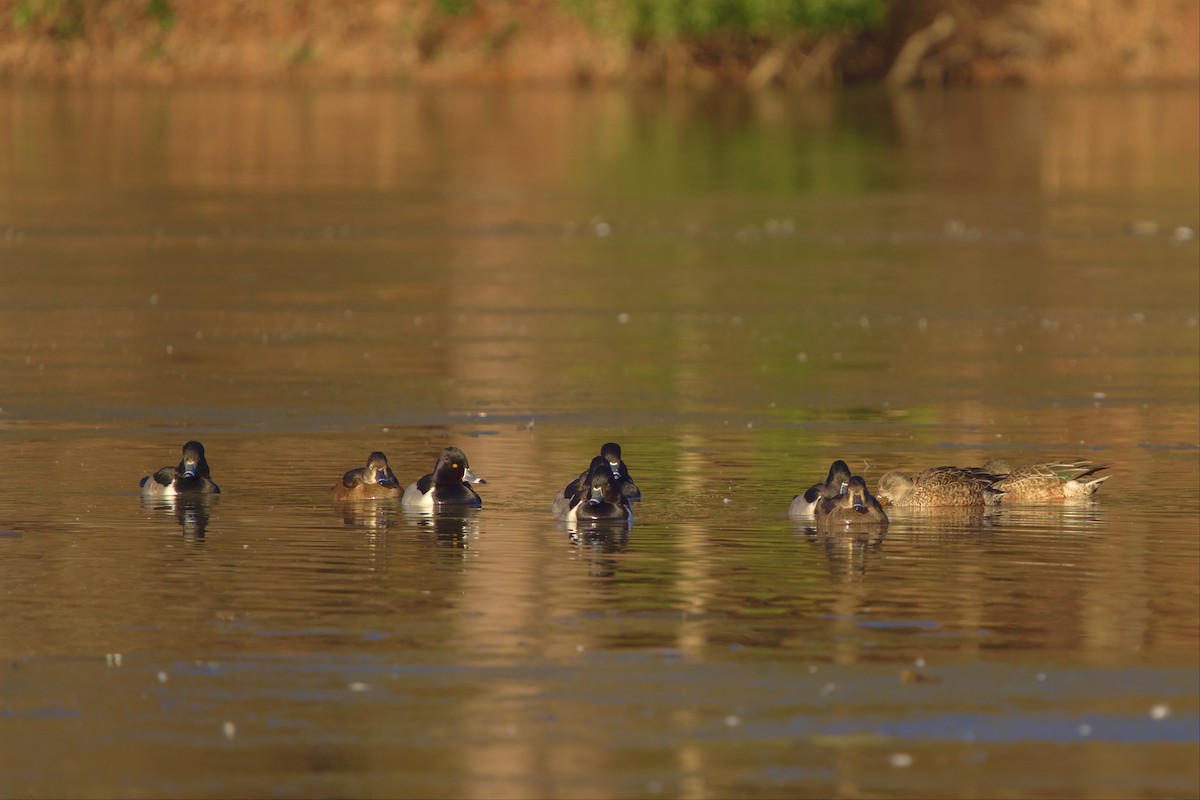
900,760
1160,711
229,729
359,686
732,721
162,676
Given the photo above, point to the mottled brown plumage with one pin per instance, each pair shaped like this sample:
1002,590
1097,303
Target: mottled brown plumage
939,486
1063,480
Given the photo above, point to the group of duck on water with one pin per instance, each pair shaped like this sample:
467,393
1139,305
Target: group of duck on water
604,491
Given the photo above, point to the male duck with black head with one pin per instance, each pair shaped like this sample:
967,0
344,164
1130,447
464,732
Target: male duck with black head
599,497
447,485
375,481
804,506
610,452
190,477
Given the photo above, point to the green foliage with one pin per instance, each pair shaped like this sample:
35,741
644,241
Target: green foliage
303,54
63,19
161,11
454,8
27,12
666,19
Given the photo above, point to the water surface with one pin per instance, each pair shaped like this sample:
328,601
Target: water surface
738,289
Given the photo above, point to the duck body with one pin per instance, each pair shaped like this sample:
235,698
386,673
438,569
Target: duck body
599,497
1065,480
853,508
447,485
190,477
375,481
804,506
940,486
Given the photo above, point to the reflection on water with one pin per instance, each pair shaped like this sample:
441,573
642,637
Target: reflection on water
739,289
451,527
190,512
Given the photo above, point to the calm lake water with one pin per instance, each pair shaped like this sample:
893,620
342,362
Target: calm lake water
739,289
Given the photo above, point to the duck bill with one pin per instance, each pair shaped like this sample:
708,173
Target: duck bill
471,477
596,495
616,470
381,477
189,470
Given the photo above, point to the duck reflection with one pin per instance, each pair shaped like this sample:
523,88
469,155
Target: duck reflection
847,552
606,535
451,526
943,520
191,512
375,515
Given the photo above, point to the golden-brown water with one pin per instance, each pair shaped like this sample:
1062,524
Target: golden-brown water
738,289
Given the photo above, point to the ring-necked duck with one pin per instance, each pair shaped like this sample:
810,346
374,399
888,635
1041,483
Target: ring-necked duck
853,507
375,481
1065,480
940,486
446,485
190,477
611,453
599,497
805,505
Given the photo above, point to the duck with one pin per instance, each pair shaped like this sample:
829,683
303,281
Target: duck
191,476
375,481
939,486
599,496
853,507
805,505
447,485
611,453
1062,480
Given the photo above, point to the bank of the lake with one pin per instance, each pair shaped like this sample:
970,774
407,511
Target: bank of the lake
792,44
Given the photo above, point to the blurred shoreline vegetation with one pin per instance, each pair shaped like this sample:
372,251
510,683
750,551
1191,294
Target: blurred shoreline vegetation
699,43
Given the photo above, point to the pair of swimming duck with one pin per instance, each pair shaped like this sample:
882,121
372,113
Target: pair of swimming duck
448,484
603,491
844,498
